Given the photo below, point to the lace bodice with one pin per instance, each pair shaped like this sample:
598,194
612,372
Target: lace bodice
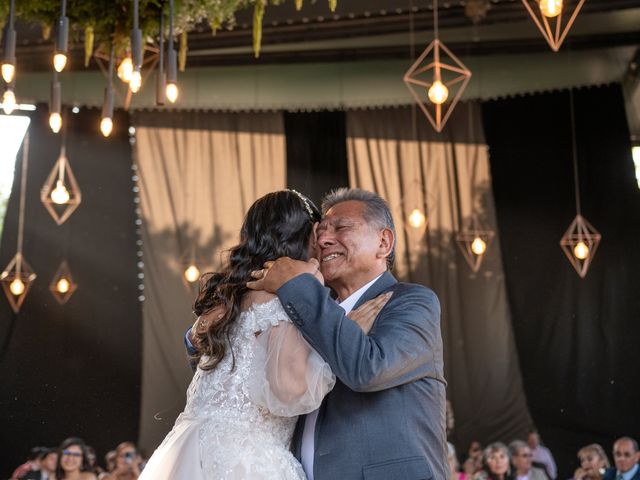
222,393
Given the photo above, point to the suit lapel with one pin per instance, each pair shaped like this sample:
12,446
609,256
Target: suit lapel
385,282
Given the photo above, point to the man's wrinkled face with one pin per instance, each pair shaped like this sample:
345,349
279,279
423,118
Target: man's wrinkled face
522,459
624,455
347,245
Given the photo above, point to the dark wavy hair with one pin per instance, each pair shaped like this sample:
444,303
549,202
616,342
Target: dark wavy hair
276,225
69,442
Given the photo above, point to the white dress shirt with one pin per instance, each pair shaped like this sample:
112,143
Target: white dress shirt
307,449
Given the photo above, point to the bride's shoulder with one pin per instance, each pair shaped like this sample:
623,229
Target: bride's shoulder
256,297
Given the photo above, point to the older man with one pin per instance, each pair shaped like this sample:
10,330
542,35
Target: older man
521,460
385,418
626,457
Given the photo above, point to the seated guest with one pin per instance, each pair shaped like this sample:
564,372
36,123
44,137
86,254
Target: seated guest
48,459
73,461
32,464
454,466
541,455
496,464
593,463
110,462
128,463
521,460
472,460
626,458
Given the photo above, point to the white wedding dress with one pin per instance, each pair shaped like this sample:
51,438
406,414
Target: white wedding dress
239,419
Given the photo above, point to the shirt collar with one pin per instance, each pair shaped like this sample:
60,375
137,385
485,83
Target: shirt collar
348,303
629,474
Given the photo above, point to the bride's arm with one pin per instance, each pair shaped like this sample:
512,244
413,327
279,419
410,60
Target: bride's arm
288,377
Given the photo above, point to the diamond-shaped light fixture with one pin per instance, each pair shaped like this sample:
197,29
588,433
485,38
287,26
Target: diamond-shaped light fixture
62,285
550,15
60,194
17,278
579,244
437,79
474,244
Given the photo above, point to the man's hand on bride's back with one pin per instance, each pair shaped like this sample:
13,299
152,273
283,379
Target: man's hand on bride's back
366,313
277,273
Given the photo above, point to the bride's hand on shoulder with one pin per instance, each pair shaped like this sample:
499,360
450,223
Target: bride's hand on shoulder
366,313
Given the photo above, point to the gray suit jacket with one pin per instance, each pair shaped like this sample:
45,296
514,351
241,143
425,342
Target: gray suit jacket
385,418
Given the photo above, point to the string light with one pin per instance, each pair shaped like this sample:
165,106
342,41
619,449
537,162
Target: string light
106,123
172,62
55,122
125,69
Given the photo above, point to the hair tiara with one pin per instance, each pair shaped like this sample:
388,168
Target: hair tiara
304,200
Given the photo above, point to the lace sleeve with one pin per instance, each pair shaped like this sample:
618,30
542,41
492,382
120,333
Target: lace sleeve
288,377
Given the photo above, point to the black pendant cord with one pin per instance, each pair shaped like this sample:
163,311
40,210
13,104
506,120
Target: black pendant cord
574,152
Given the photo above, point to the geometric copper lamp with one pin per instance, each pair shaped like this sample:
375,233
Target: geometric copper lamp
60,193
548,17
474,243
580,242
18,276
437,79
62,285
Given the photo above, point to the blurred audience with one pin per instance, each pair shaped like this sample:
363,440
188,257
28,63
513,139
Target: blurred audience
31,465
496,463
541,455
521,458
73,461
454,466
626,458
47,461
593,463
128,463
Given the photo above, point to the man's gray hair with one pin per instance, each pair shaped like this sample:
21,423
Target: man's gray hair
516,446
376,210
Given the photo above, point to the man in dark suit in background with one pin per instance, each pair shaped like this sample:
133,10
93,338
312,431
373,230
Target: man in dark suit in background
626,458
385,418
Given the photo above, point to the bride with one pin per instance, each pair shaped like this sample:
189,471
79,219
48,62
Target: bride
255,373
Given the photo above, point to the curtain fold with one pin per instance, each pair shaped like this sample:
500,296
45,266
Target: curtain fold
198,175
395,153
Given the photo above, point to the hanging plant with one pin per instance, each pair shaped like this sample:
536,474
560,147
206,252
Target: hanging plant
103,22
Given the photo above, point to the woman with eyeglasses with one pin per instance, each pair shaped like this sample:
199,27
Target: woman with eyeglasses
128,463
73,461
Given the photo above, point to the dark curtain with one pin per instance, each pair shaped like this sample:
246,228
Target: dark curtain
73,369
316,152
577,338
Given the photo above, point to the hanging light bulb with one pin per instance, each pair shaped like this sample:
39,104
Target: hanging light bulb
8,101
172,92
63,285
581,251
478,246
62,39
136,81
192,273
125,69
17,287
106,126
59,61
172,62
55,122
60,195
438,92
416,218
551,8
8,71
9,61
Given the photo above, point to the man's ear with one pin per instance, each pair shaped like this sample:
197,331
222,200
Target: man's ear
387,241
